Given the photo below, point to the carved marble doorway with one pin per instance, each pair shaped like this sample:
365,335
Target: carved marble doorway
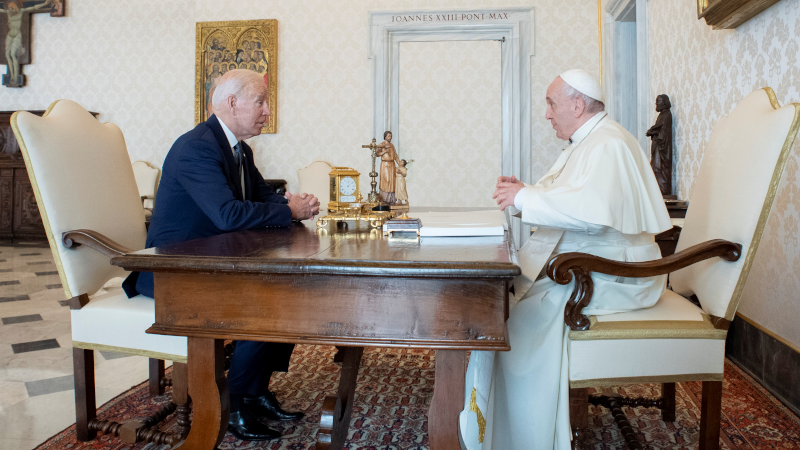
626,66
512,26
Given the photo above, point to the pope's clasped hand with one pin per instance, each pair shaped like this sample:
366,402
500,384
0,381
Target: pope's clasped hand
506,191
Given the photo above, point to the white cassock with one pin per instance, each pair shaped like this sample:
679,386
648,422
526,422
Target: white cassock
601,198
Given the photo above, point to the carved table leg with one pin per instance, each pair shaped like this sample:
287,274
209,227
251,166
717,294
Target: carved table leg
339,356
180,396
209,391
448,399
336,411
156,375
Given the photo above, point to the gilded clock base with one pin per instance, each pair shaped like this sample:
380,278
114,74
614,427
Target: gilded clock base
376,218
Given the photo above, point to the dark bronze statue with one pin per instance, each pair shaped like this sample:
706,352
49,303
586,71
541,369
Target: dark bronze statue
661,147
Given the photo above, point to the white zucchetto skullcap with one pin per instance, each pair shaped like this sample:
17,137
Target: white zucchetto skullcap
584,82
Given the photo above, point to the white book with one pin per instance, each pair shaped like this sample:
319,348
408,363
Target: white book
462,223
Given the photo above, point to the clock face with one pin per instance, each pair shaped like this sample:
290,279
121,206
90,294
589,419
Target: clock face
347,185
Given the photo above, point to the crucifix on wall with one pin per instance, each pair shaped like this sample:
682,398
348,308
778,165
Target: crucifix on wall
15,34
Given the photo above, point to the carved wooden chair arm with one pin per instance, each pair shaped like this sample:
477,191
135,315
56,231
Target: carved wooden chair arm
93,240
582,264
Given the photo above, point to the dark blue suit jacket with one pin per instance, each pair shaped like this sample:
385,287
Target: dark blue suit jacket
200,195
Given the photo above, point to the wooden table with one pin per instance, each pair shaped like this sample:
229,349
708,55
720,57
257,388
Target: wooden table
350,287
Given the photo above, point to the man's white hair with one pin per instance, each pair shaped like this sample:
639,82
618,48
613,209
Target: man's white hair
240,83
592,105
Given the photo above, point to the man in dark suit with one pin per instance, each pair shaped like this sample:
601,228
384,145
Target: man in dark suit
210,185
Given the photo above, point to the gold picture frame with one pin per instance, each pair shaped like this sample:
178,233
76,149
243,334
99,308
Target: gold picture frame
729,14
250,44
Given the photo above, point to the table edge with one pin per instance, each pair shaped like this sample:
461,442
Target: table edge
346,341
422,269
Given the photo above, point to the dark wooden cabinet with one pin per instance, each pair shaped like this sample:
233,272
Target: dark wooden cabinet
27,221
19,213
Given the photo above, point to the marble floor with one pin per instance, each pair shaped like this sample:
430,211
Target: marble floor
36,385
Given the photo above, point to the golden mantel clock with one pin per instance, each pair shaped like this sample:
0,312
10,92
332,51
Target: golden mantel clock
344,188
346,202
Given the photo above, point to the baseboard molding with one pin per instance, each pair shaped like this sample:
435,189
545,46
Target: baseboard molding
771,360
768,332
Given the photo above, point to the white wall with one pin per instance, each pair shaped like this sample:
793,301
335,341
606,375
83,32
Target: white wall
134,63
705,72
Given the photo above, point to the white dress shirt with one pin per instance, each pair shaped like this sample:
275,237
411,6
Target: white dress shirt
233,142
228,134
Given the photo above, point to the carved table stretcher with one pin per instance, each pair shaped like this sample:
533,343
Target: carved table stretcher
349,287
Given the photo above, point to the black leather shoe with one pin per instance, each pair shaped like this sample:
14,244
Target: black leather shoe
246,427
267,406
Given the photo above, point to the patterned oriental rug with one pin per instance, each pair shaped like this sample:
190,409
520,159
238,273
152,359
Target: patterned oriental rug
395,388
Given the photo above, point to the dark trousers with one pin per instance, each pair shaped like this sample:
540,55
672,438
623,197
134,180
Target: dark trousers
252,363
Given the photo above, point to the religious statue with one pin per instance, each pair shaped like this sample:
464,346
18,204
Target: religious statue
661,148
388,155
400,193
16,33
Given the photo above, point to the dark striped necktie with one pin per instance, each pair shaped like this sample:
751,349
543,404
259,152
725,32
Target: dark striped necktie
239,157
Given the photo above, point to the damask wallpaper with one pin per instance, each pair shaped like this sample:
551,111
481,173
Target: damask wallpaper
324,87
134,63
705,72
451,121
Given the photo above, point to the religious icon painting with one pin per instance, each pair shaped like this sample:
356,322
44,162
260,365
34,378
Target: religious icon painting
223,46
15,34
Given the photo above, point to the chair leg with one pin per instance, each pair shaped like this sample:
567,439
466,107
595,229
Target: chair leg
710,413
85,403
180,396
668,402
156,375
578,414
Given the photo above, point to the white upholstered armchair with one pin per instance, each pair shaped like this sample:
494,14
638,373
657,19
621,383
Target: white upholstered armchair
314,179
82,178
147,182
677,339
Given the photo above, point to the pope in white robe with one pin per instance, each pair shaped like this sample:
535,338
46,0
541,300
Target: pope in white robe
601,198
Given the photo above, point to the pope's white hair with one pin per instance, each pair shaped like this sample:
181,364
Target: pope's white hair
240,83
592,105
